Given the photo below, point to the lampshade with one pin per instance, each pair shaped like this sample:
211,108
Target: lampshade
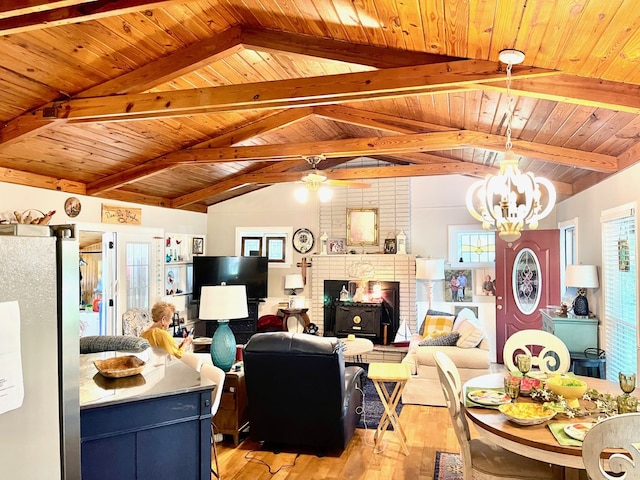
293,281
429,268
223,302
581,276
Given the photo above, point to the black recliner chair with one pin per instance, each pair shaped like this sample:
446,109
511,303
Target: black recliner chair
299,392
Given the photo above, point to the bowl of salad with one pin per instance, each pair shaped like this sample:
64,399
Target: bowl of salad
569,387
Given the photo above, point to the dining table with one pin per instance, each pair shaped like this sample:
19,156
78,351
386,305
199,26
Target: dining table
533,441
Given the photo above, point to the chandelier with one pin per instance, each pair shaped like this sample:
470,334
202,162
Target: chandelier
511,199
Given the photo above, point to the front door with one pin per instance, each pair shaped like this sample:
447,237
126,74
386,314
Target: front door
527,279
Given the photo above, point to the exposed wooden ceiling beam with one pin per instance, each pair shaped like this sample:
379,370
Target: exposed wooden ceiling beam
379,121
17,177
417,142
167,68
266,40
15,8
237,135
393,82
565,88
448,168
154,73
78,12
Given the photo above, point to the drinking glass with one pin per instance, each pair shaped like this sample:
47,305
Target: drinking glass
523,361
627,403
512,387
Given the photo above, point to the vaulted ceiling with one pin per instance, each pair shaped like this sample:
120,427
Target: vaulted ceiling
184,104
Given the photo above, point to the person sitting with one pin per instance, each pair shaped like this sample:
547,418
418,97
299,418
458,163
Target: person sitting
157,334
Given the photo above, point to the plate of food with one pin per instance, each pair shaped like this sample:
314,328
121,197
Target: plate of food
490,398
577,431
526,413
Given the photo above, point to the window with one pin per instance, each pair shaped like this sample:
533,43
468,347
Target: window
138,258
270,242
620,290
470,244
568,249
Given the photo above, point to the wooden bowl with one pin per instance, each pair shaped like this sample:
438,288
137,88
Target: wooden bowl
119,367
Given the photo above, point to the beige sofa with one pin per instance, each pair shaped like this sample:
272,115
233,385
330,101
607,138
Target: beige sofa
424,386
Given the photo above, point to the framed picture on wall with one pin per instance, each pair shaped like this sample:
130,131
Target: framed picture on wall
362,226
485,282
197,246
458,285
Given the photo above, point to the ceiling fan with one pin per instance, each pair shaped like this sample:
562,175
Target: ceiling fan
315,179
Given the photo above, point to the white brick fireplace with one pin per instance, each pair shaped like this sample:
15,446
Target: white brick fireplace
392,268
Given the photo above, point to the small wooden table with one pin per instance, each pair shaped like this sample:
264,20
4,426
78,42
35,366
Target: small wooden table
355,348
380,373
299,312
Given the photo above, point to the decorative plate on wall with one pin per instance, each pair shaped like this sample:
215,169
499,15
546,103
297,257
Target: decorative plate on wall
303,240
72,207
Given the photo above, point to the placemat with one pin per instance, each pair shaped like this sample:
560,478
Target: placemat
469,403
563,439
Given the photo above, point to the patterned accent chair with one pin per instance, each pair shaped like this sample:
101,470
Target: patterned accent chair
135,321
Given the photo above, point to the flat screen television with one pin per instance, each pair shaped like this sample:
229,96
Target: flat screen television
249,271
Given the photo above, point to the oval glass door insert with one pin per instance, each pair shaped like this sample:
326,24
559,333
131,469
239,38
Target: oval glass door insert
526,281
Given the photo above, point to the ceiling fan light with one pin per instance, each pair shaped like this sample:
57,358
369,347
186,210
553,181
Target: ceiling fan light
301,194
325,194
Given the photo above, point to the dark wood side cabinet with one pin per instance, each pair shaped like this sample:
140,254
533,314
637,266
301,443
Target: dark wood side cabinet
232,416
148,438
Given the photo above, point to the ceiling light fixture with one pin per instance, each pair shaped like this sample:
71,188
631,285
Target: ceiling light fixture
511,199
314,182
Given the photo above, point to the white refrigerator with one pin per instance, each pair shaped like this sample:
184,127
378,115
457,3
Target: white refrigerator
39,270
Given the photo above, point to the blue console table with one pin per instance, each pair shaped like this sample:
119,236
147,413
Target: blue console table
155,426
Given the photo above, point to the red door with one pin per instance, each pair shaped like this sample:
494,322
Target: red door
535,257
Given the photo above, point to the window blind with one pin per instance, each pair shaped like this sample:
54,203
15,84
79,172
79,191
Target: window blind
620,291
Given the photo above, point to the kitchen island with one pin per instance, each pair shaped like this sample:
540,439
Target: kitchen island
156,424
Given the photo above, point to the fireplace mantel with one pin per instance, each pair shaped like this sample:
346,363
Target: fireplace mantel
370,267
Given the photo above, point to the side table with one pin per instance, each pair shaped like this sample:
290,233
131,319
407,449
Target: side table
380,373
355,348
232,416
299,312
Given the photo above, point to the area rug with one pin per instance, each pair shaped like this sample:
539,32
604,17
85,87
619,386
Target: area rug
423,391
448,466
373,409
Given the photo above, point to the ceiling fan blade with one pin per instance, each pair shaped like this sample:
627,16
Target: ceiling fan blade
348,183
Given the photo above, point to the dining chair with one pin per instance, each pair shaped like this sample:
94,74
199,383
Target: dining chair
481,459
553,357
620,432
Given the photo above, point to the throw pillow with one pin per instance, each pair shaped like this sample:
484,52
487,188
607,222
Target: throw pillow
447,340
437,322
469,328
432,313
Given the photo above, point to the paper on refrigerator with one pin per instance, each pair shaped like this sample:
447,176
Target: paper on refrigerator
11,382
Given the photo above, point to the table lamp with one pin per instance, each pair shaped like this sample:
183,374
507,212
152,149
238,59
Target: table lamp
581,277
223,303
429,270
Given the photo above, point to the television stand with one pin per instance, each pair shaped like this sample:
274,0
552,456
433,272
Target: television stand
243,328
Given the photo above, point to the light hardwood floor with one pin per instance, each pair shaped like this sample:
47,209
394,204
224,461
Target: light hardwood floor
428,429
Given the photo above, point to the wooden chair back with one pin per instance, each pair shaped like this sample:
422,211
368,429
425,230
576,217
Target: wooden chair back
620,431
452,389
553,356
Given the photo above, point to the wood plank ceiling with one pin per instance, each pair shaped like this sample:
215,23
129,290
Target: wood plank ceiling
184,104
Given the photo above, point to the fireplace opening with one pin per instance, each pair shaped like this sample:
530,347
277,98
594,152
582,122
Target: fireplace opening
376,320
